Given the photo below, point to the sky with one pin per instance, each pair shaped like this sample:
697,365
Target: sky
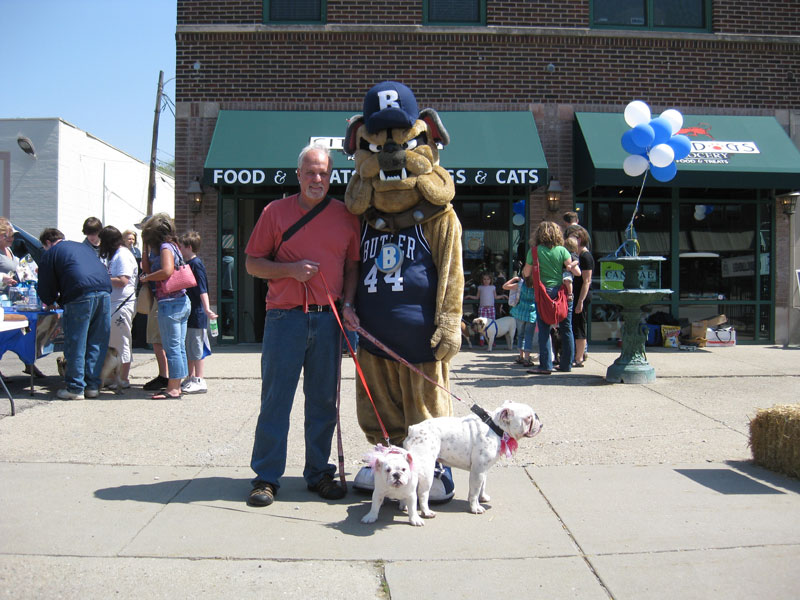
94,64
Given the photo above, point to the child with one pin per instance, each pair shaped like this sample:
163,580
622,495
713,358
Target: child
571,267
486,297
197,346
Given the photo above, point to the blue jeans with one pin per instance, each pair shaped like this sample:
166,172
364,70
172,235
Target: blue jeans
172,318
567,341
295,341
87,324
525,335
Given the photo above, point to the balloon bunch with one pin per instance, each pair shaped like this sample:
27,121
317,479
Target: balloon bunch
653,144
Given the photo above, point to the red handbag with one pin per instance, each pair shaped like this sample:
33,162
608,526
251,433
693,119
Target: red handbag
182,277
552,311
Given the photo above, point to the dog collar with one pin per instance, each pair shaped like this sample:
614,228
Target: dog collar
486,418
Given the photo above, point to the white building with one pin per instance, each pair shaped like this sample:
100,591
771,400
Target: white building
53,174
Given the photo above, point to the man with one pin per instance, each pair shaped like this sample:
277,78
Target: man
570,218
91,229
70,274
300,331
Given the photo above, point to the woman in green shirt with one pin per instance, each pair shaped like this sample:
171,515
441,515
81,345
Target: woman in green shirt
554,260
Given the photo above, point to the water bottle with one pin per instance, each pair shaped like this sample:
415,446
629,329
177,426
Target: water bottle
33,297
213,327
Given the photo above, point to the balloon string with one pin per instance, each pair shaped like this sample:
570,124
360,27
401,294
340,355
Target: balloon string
630,233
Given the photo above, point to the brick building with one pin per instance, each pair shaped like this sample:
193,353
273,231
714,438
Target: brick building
530,92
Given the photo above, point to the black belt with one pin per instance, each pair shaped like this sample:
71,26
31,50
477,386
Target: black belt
314,308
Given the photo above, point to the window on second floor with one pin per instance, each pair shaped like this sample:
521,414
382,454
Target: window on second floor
294,11
673,15
454,12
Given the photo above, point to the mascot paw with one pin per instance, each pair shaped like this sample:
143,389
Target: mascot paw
446,342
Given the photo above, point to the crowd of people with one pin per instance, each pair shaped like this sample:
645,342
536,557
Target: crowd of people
98,283
564,261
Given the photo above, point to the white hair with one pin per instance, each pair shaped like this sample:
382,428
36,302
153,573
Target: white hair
315,146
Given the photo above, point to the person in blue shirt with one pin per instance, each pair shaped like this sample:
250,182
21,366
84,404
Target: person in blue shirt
71,275
197,344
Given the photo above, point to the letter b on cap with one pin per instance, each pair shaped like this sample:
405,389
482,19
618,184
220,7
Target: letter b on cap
388,99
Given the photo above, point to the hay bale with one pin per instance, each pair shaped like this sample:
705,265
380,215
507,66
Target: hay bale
775,438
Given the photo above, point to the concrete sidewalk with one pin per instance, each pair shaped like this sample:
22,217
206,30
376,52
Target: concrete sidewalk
630,491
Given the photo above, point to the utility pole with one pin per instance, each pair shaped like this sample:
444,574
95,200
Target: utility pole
151,189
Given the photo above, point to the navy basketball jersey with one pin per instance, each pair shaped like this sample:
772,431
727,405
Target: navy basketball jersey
396,298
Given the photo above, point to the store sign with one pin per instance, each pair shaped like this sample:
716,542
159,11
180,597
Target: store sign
267,176
715,152
494,176
219,177
743,266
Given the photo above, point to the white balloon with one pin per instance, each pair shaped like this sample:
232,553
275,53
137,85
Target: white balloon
661,155
675,119
636,113
635,165
518,220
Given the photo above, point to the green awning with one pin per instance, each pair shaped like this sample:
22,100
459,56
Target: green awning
727,152
261,147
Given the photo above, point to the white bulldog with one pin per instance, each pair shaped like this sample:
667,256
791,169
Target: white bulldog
395,477
494,329
468,443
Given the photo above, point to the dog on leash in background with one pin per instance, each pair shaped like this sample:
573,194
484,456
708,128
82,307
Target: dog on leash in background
109,375
467,332
467,443
493,329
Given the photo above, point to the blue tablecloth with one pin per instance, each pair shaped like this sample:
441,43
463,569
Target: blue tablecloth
38,341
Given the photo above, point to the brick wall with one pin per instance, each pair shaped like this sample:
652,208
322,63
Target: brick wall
317,68
771,17
747,68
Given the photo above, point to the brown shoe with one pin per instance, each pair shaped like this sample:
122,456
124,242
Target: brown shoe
262,494
328,489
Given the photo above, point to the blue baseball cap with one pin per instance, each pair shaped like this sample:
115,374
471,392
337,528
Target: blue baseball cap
389,105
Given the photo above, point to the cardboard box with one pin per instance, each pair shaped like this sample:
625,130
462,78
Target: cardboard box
699,329
724,336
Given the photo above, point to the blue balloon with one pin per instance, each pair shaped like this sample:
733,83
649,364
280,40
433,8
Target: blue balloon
519,207
664,174
629,145
662,130
643,135
681,145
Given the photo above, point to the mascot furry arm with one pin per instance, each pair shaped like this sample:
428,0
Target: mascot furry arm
399,183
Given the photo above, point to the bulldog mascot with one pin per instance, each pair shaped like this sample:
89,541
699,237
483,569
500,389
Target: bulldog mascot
411,281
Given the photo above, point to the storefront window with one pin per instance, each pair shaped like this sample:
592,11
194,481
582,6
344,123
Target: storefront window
718,244
486,246
227,271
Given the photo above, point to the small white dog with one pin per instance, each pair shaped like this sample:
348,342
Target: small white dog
494,329
473,443
395,478
109,375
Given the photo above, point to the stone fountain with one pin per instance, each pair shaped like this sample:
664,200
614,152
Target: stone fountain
640,287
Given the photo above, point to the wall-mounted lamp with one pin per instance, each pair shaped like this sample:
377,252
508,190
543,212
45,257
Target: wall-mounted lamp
789,202
553,195
26,145
195,193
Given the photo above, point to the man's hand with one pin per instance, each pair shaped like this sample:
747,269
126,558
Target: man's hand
303,270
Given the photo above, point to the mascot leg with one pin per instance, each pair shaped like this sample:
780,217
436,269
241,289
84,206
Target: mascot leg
402,397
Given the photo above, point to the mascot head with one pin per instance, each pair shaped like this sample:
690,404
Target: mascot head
396,150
